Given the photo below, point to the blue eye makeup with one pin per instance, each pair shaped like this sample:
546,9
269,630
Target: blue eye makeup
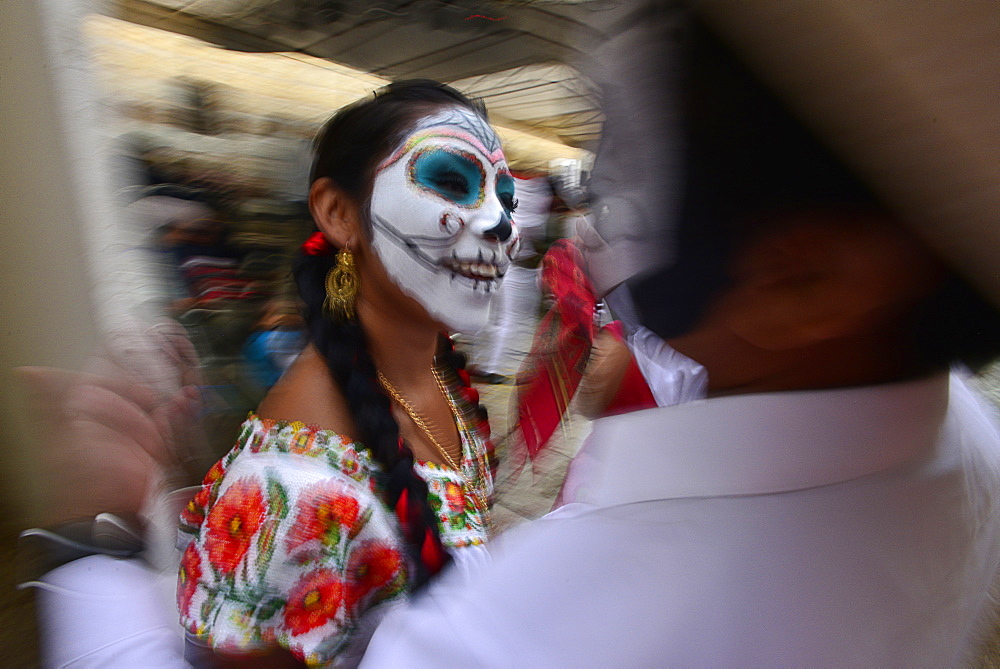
454,175
505,192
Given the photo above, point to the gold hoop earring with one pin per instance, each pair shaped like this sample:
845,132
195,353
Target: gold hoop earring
341,287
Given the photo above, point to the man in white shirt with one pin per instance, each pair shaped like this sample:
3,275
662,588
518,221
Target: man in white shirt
836,500
826,528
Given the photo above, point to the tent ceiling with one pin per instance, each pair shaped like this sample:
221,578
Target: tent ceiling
549,98
512,54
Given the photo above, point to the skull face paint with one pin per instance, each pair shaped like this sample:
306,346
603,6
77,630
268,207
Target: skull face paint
441,210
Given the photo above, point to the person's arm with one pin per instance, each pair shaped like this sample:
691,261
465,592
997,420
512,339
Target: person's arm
101,611
539,602
290,546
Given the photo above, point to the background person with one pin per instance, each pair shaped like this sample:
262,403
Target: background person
502,344
275,341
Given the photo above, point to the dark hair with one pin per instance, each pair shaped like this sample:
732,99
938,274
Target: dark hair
360,135
748,159
348,149
956,324
744,154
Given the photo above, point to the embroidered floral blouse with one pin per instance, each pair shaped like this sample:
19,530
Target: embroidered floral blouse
290,541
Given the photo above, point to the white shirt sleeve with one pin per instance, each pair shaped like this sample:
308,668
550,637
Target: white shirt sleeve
100,611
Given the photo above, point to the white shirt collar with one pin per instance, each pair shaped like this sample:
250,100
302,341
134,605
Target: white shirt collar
672,377
760,443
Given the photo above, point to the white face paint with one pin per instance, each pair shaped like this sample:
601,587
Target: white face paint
441,217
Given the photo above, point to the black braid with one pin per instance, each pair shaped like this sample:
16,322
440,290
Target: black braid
344,347
457,360
347,151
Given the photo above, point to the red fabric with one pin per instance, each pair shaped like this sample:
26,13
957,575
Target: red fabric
633,393
561,347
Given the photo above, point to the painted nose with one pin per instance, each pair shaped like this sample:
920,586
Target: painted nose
501,231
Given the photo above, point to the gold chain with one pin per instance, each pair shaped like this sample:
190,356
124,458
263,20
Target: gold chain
477,497
417,418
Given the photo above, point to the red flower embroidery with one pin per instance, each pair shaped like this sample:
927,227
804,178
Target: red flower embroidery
349,463
372,565
214,474
313,601
187,582
232,524
194,513
320,508
455,496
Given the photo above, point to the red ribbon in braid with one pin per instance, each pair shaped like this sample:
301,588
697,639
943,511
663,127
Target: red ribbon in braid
432,553
317,245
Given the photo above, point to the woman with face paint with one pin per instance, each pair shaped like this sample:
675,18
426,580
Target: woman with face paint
365,469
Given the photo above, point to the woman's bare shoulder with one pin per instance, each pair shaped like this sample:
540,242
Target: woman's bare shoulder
307,393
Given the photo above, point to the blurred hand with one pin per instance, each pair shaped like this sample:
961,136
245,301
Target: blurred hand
111,436
609,361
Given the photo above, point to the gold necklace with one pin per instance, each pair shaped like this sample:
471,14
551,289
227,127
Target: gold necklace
418,419
478,498
476,489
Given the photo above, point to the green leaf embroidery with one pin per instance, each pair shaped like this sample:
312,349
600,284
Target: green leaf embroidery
277,495
331,538
269,608
265,544
208,606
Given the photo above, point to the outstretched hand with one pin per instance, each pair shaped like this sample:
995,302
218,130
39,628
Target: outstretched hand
111,436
